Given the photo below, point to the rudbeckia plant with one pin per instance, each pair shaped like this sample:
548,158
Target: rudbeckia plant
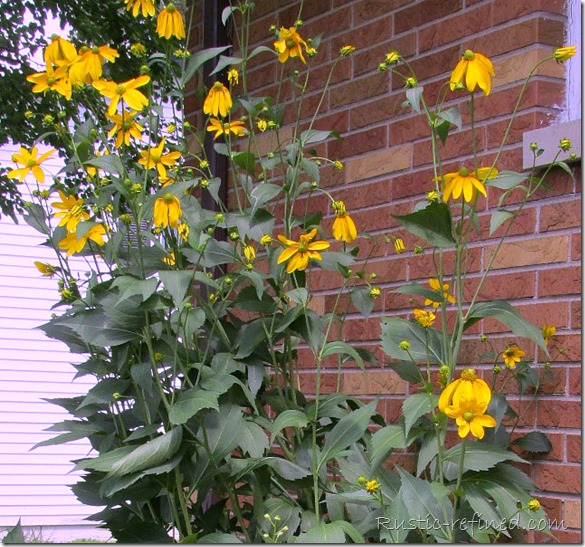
198,317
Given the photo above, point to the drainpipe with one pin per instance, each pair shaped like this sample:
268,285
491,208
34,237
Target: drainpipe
215,34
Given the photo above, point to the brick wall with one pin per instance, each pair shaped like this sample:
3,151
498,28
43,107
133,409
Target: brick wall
387,169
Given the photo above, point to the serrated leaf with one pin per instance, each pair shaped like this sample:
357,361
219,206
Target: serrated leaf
505,180
263,193
149,454
288,418
198,59
14,535
423,345
413,96
190,402
498,218
337,346
433,224
535,441
177,283
346,432
506,313
415,406
110,164
361,299
383,441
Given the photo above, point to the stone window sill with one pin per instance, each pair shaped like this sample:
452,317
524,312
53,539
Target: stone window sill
548,138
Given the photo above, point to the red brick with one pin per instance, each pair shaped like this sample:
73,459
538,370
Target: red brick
424,12
561,215
559,413
559,281
574,448
562,478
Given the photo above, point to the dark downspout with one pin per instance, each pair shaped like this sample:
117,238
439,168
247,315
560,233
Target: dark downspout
214,34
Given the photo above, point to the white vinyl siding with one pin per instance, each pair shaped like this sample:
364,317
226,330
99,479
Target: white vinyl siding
34,483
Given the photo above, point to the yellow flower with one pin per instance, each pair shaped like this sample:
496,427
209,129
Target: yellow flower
46,269
433,195
399,246
183,231
266,240
548,331
346,51
236,127
410,82
470,416
372,486
154,158
474,69
468,386
261,125
393,58
533,504
89,65
170,259
125,127
436,286
565,144
466,183
30,164
59,52
561,54
137,49
249,253
170,23
300,252
512,355
218,101
290,44
71,211
338,165
375,292
233,76
126,91
145,6
424,318
53,79
167,211
343,228
72,244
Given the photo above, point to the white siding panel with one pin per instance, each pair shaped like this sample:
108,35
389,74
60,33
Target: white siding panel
34,484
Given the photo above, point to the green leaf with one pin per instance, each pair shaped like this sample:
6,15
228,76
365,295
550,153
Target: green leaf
129,286
432,514
217,253
14,535
110,164
451,115
313,136
498,218
507,314
346,432
426,453
335,347
505,180
246,160
415,406
329,532
361,299
288,418
418,289
394,525
413,96
149,454
263,193
225,61
535,441
177,283
249,337
478,457
253,440
396,329
35,216
383,441
408,371
103,392
289,513
198,59
190,402
219,537
105,461
433,224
